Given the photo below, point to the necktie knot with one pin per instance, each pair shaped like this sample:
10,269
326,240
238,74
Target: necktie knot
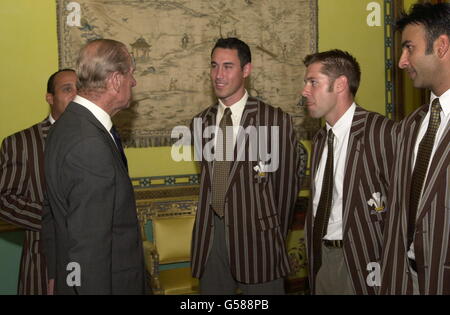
435,114
436,104
226,119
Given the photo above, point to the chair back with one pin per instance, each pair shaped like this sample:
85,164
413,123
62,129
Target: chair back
172,237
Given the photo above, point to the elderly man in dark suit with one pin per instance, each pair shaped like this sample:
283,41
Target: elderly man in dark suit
416,257
22,183
350,169
91,232
246,193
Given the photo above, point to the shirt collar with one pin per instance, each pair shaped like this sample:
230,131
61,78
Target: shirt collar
51,119
237,108
102,116
343,125
444,100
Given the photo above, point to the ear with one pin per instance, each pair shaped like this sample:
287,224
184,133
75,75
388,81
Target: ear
49,98
441,46
247,69
340,84
116,81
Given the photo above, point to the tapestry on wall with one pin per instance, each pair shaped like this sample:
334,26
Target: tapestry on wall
171,42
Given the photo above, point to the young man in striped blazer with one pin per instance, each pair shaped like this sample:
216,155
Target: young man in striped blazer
246,202
416,257
22,181
350,166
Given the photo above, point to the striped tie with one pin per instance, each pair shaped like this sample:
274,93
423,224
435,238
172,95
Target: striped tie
221,166
324,206
421,166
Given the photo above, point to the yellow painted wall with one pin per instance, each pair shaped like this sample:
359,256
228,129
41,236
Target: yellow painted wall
343,25
28,54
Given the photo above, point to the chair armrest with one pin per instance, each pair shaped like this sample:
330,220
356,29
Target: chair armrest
152,264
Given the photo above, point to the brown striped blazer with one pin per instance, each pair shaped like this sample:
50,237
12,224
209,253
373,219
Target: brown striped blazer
432,234
367,170
258,210
21,195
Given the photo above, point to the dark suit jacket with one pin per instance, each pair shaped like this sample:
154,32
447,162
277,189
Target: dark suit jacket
367,170
22,188
258,209
432,238
92,220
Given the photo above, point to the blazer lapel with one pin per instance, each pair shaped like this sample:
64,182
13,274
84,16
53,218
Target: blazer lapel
45,128
407,154
249,118
436,167
209,121
411,139
354,149
318,147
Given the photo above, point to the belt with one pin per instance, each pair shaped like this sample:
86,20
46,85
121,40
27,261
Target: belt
333,243
413,264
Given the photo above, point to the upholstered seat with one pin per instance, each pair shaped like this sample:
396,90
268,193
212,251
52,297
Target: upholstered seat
168,255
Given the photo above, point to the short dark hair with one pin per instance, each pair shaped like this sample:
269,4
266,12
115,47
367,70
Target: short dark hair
244,54
51,80
434,17
336,63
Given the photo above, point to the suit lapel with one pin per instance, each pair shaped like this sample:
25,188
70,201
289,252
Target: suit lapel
354,149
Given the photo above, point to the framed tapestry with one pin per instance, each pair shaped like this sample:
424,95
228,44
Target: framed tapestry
171,42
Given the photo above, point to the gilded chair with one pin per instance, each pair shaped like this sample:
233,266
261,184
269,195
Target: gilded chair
166,229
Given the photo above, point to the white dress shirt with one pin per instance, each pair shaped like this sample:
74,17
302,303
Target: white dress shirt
444,99
102,116
236,114
341,131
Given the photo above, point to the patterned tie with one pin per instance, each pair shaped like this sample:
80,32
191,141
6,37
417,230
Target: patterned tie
221,168
116,137
324,206
421,166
